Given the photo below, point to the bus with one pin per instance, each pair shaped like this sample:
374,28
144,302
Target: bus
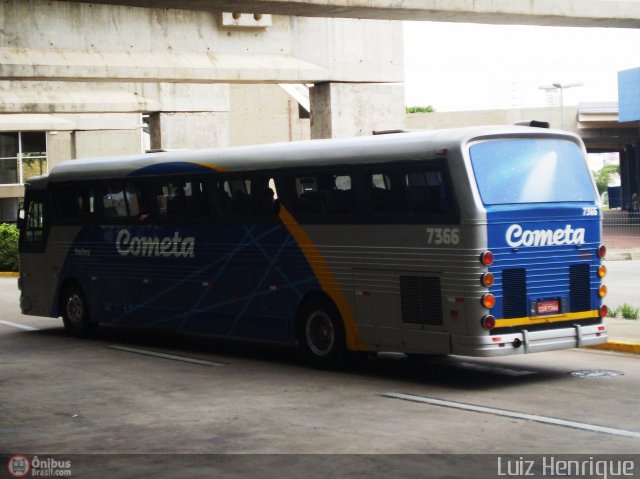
476,241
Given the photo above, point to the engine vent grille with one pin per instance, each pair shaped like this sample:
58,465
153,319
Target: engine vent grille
421,300
579,288
514,293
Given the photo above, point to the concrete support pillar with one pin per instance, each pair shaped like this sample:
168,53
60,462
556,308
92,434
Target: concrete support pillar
355,109
189,130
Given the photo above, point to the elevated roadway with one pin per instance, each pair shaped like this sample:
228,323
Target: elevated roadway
575,13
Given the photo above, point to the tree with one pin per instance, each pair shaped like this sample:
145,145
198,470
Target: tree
421,109
603,177
8,247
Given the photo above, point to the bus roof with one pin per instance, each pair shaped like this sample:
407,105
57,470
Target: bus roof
407,146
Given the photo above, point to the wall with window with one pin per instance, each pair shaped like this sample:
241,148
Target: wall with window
22,155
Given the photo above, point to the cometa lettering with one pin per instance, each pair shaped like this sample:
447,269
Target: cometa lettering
153,246
517,236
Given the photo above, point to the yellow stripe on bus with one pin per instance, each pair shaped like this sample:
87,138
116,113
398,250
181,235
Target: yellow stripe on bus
208,165
325,278
556,318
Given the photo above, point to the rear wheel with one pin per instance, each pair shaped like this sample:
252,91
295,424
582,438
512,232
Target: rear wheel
75,312
321,334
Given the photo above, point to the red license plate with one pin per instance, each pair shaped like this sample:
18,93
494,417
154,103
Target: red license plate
546,307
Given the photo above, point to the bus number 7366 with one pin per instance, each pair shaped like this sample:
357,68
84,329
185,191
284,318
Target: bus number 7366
443,236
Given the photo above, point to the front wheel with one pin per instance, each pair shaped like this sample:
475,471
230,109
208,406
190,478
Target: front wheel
75,312
321,333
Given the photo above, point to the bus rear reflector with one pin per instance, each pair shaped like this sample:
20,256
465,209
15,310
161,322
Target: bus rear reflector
602,291
486,258
488,300
603,311
602,251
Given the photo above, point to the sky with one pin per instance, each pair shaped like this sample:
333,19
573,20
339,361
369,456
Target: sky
454,66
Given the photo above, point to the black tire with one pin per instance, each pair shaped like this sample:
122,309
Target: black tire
321,334
75,312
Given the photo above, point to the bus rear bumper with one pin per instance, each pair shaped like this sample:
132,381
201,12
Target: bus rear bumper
525,342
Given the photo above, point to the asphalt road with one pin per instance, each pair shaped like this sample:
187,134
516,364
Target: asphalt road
263,413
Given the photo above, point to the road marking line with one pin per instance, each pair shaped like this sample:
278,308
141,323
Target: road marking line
513,414
184,359
19,326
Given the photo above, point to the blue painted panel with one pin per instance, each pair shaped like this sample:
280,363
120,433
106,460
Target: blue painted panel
629,95
223,279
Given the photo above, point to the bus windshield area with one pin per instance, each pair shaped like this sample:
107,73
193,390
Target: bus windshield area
514,171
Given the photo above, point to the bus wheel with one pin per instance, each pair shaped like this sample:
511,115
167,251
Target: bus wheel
322,334
75,312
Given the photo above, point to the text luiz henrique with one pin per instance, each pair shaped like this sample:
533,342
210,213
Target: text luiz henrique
552,466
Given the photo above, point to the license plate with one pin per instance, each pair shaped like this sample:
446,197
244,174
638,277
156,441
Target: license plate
547,307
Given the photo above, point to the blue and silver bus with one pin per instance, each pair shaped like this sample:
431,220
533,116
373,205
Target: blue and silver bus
479,241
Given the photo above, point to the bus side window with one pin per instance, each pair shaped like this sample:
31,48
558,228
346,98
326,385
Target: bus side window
387,193
34,225
74,202
308,198
425,191
246,197
336,194
113,202
123,201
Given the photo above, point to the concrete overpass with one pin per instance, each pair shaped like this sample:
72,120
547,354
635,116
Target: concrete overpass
81,73
574,13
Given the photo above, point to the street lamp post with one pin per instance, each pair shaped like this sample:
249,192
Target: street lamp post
560,86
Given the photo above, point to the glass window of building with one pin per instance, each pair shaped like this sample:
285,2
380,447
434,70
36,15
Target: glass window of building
22,155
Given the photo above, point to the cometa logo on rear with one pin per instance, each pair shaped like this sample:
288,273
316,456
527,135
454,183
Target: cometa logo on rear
517,236
153,246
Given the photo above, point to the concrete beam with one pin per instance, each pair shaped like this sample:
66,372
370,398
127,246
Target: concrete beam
575,13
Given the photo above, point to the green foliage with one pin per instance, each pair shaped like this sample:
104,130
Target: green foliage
626,311
8,247
421,109
612,313
603,177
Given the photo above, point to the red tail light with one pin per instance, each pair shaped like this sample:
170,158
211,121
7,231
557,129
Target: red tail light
602,251
603,311
486,258
488,322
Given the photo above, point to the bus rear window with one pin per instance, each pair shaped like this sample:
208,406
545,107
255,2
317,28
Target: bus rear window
512,171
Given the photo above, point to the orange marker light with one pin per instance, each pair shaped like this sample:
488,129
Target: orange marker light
488,300
602,291
487,279
602,271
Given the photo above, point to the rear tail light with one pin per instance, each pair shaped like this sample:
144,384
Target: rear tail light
602,291
488,322
486,258
487,279
603,311
602,251
488,300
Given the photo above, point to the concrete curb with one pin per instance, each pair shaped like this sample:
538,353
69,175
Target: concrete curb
9,274
619,346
